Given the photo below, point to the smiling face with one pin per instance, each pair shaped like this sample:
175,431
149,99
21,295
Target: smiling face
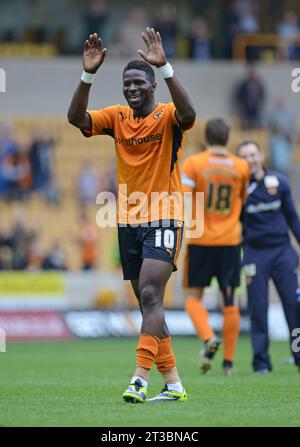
138,90
254,157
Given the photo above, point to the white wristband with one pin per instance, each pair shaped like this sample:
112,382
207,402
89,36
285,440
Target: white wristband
166,71
87,78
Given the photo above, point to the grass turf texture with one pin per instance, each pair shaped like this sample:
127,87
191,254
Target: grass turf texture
80,383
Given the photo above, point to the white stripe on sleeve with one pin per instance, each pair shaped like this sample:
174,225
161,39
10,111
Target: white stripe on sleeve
188,181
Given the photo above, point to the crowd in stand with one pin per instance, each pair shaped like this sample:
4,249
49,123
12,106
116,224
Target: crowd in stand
20,248
279,120
210,34
27,167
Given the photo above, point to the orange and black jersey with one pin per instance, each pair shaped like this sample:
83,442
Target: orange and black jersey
223,179
148,150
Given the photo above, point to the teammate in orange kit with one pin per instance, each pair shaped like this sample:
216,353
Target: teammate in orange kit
223,178
148,139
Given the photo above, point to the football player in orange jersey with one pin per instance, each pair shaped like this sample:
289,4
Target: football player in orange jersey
216,253
148,139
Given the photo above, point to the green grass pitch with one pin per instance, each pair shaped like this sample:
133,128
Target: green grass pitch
79,383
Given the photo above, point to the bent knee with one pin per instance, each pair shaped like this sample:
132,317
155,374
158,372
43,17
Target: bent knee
150,297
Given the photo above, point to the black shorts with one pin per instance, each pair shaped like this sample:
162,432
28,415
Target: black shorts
148,242
202,263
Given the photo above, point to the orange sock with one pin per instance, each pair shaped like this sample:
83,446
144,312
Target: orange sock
231,329
165,359
199,317
147,350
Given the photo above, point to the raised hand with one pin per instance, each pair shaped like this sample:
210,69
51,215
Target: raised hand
93,53
156,55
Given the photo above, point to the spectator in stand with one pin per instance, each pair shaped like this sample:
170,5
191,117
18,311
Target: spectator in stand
88,241
55,260
111,179
129,37
5,251
88,185
167,26
10,173
35,255
19,243
42,159
52,192
289,30
282,124
282,117
230,29
96,18
17,171
200,48
246,17
241,18
281,151
35,158
6,258
8,147
25,175
248,24
250,96
8,35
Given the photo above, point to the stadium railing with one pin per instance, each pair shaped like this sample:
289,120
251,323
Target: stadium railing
275,46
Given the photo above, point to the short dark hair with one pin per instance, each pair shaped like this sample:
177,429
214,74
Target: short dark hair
143,66
245,143
217,132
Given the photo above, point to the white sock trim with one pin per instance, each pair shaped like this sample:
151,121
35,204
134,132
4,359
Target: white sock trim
175,387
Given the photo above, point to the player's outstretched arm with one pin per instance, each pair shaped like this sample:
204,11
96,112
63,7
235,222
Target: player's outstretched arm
155,55
93,57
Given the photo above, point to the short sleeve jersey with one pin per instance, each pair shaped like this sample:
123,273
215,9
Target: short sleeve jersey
223,180
148,150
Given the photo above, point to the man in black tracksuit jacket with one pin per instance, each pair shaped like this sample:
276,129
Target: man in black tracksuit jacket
269,214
